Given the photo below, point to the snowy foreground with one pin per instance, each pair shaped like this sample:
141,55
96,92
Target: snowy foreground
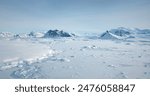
74,58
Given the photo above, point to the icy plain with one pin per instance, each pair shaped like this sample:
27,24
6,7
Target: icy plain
74,57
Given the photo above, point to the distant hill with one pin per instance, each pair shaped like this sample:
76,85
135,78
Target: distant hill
119,33
6,34
57,33
35,34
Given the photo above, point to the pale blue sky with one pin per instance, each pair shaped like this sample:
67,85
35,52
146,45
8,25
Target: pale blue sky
73,15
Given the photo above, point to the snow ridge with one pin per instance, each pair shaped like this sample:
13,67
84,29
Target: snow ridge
16,62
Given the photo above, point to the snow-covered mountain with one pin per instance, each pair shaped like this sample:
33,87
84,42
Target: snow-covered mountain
48,34
125,33
57,33
119,33
108,35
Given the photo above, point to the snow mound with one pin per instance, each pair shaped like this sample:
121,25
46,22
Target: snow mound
57,33
35,34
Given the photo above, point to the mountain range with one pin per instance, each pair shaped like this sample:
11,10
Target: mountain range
120,33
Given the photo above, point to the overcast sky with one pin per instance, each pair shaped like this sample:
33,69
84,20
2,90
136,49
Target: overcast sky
73,15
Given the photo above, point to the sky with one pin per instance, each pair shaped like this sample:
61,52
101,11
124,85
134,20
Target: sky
76,16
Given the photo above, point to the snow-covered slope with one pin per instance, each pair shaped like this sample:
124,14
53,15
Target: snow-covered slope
121,31
57,33
142,33
108,35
